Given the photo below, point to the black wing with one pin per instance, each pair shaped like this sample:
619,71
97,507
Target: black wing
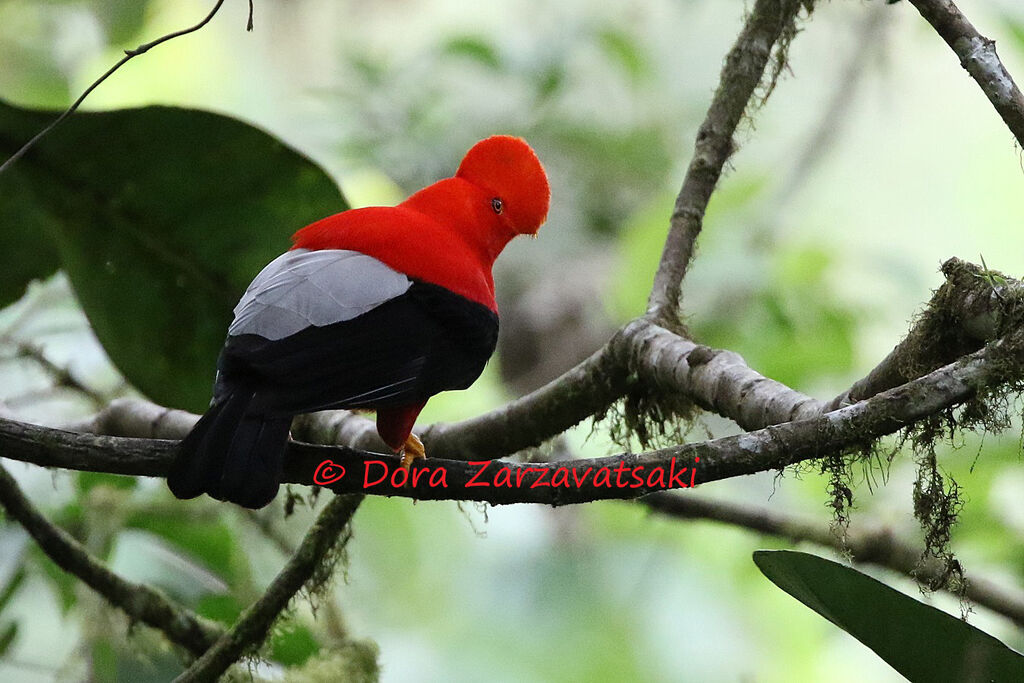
401,352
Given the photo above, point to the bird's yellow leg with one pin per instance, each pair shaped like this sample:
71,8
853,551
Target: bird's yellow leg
412,450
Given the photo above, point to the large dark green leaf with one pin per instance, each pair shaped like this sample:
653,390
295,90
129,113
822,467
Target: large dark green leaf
161,216
921,642
26,251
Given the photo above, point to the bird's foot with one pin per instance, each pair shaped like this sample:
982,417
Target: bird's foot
412,450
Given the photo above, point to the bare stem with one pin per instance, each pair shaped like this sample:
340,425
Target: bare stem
743,71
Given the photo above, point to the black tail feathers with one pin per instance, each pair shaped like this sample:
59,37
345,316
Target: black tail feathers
231,454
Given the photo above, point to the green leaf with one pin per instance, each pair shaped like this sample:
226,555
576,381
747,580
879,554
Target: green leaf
624,50
7,636
161,217
293,644
921,642
473,48
24,227
212,542
222,608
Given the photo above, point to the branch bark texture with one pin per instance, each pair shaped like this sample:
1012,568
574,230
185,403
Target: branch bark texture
743,71
978,56
918,380
770,448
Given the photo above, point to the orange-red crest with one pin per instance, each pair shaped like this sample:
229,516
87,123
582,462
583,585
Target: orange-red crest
509,169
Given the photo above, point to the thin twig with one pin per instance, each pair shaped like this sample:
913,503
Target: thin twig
333,619
252,627
62,376
876,545
978,56
743,71
128,55
138,601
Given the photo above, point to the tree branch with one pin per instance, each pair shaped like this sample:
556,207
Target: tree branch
252,627
128,55
964,313
771,448
978,56
265,521
743,71
719,381
877,545
138,601
526,422
967,311
138,418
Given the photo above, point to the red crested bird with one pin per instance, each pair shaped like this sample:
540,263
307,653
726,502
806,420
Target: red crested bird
377,308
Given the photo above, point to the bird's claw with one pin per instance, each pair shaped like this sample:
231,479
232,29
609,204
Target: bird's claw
412,450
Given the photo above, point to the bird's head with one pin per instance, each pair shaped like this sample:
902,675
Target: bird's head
510,173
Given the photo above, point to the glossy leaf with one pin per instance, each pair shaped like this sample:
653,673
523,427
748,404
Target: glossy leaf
921,642
25,225
161,216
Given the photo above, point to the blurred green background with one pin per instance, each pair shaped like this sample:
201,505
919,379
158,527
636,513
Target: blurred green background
876,159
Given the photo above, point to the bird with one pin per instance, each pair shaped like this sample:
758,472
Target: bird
376,308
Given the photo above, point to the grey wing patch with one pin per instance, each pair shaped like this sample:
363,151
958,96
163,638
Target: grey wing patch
303,288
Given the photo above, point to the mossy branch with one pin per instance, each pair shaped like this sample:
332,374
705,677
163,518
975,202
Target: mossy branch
971,308
251,629
771,448
770,23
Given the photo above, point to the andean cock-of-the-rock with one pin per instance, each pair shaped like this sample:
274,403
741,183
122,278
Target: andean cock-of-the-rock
376,308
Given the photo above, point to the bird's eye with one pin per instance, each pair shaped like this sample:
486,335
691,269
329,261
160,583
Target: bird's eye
497,205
